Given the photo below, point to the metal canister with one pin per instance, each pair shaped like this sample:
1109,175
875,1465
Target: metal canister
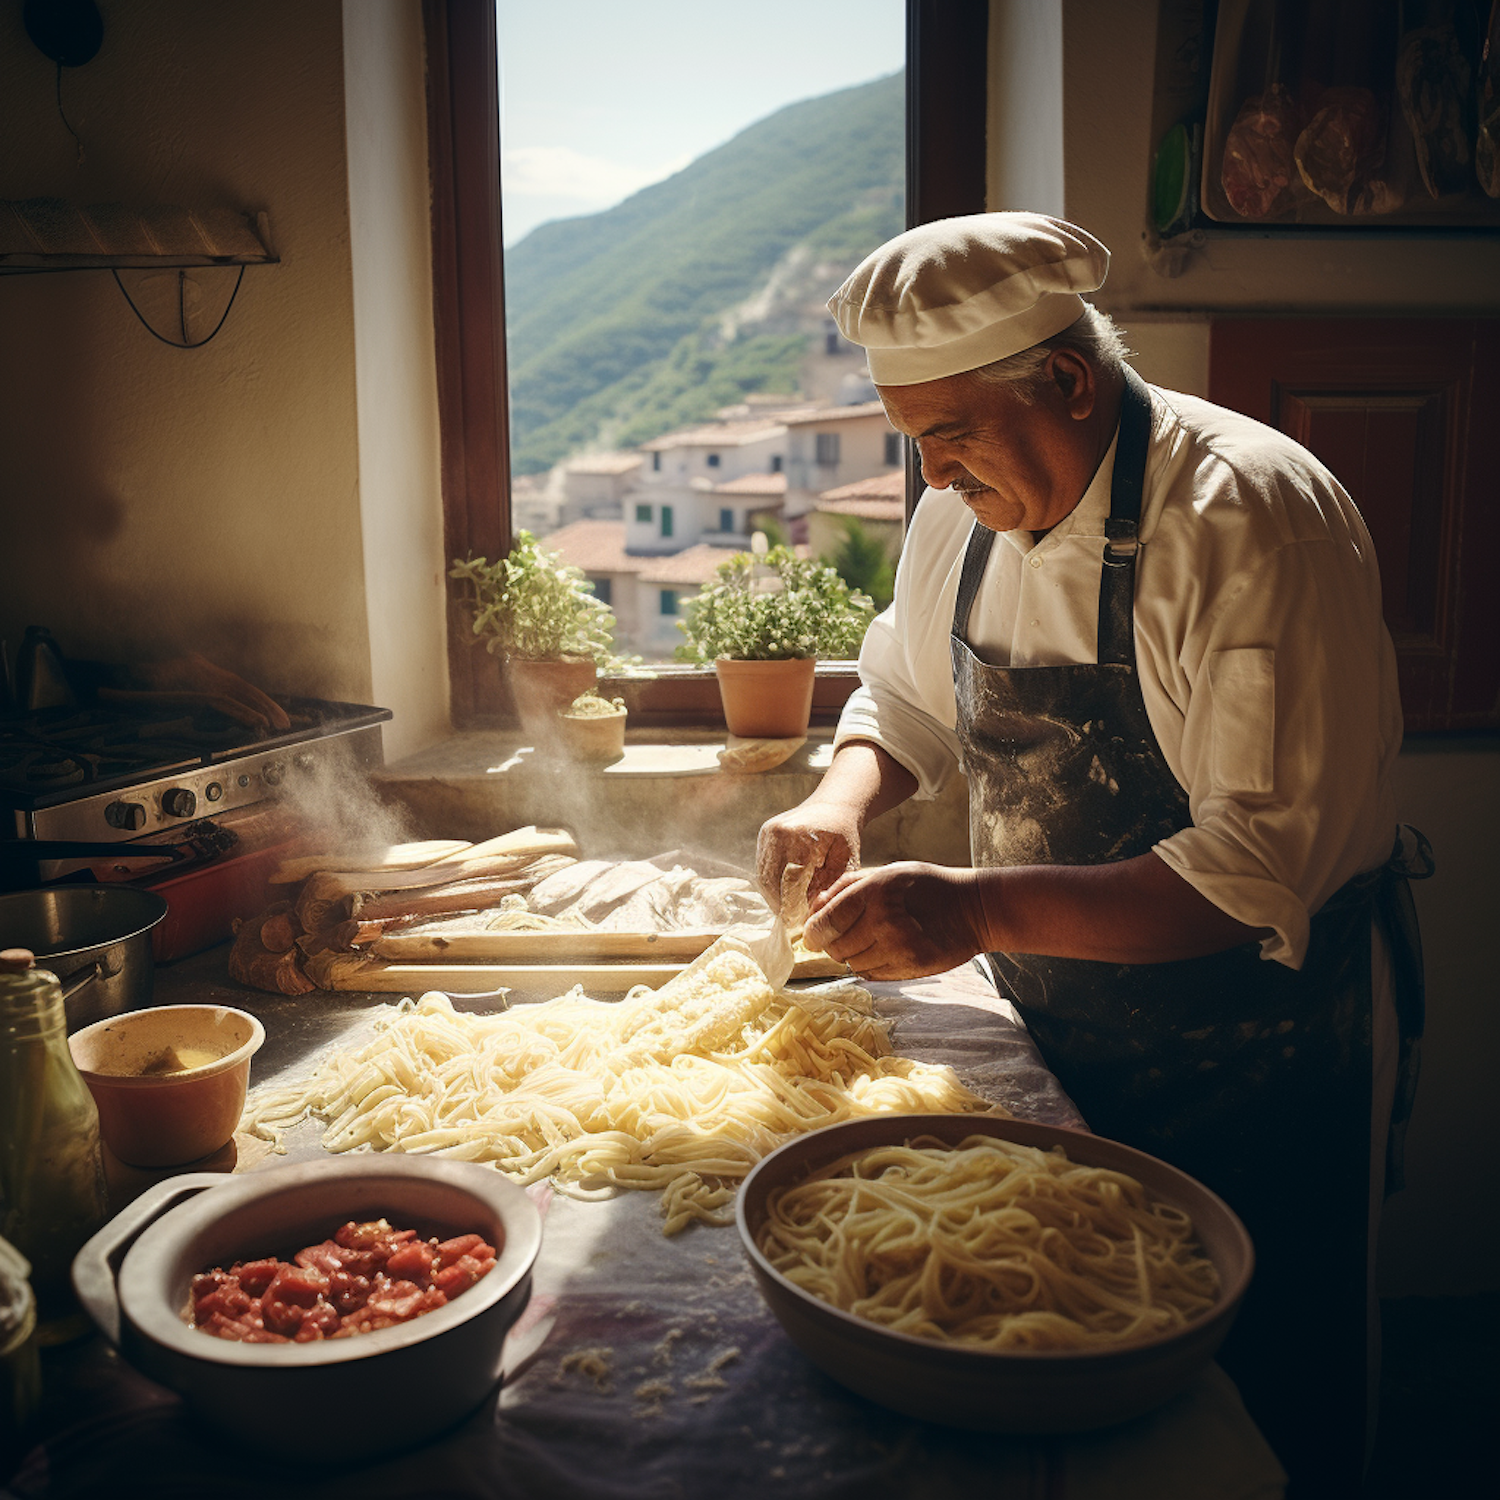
52,1186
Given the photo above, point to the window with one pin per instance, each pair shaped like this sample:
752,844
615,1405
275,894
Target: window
656,461
831,341
893,453
604,590
827,448
667,602
712,460
643,512
776,463
726,520
666,520
945,168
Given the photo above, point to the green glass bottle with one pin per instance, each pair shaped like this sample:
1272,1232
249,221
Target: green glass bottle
52,1186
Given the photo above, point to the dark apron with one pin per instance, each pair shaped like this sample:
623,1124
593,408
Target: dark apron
1253,1077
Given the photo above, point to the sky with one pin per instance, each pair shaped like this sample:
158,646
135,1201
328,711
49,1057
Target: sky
599,98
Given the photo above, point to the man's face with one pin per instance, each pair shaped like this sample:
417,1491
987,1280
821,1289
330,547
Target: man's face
1013,464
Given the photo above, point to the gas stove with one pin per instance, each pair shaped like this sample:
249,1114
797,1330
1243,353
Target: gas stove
109,772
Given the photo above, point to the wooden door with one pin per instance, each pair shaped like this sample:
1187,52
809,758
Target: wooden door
1406,412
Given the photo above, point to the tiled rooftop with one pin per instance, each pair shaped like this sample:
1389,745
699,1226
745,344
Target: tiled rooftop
693,565
835,414
604,463
594,546
717,435
753,484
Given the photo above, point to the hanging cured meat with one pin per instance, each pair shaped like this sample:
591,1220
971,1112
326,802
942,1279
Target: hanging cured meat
1341,149
1259,166
1434,82
1487,144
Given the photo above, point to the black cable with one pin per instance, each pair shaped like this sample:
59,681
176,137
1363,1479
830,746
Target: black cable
64,118
173,342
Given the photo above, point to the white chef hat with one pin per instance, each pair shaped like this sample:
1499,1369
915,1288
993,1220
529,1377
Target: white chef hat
958,293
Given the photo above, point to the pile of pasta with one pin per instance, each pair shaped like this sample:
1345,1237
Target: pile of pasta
682,1088
992,1244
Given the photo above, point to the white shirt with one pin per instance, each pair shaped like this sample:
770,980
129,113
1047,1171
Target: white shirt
1267,671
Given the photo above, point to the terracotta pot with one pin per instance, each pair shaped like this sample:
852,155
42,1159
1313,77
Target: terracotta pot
599,738
540,688
155,1115
766,700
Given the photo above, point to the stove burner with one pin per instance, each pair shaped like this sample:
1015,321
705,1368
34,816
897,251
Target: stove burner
50,752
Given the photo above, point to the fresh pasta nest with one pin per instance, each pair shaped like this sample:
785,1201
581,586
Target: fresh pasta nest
921,1283
681,1089
989,1243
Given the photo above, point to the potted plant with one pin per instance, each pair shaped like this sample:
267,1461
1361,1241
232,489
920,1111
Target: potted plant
541,616
763,621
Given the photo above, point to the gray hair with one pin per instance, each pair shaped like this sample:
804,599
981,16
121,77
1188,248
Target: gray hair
1094,336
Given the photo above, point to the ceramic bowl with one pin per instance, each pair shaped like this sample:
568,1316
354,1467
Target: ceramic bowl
363,1397
1032,1392
169,1082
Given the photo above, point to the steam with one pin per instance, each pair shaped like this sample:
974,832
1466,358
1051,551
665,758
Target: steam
340,809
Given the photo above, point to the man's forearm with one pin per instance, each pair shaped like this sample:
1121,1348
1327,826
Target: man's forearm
865,779
1135,911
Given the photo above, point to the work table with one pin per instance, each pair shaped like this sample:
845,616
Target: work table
645,1366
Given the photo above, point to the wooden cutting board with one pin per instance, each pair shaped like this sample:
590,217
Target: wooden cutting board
541,947
550,978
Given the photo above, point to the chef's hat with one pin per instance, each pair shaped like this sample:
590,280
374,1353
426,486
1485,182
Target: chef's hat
958,293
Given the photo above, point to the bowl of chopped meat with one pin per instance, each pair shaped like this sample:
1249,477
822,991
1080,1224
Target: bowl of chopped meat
319,1287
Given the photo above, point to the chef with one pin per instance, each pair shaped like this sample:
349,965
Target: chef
1148,631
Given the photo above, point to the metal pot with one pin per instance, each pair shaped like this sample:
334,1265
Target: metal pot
95,938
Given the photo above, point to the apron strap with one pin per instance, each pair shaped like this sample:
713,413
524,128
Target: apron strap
1121,544
976,555
1121,529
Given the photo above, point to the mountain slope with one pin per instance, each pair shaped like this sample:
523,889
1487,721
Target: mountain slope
638,302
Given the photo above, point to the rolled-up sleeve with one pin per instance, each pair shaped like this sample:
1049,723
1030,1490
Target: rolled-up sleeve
1286,740
905,703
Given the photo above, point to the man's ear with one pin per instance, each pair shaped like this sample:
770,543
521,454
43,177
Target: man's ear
1074,377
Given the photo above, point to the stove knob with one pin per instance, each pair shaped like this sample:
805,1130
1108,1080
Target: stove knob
179,802
272,772
213,791
127,815
305,761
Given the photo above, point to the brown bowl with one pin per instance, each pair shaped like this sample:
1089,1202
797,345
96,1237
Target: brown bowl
1027,1392
151,1112
354,1398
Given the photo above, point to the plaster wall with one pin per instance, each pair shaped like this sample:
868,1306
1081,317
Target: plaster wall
395,369
158,498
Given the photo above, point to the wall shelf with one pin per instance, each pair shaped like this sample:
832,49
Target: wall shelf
50,234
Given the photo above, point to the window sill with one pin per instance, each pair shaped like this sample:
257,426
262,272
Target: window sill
667,792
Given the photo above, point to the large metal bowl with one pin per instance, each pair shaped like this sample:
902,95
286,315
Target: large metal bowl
1032,1392
366,1396
95,938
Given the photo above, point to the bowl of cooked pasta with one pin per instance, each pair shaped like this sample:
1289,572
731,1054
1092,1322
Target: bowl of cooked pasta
993,1274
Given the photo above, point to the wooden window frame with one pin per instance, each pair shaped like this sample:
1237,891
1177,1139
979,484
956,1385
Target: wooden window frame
945,171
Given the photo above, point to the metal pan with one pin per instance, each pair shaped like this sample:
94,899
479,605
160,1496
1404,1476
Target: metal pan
95,938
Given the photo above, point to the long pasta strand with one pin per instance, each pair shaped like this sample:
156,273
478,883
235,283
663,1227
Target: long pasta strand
989,1243
681,1089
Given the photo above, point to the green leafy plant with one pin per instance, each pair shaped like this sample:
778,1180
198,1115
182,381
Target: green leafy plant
861,560
531,604
773,607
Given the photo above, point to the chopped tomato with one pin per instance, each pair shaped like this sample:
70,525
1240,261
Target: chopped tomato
368,1276
255,1275
414,1261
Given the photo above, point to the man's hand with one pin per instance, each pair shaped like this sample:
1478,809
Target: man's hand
823,838
900,921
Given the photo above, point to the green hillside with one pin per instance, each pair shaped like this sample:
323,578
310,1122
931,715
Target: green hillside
616,322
